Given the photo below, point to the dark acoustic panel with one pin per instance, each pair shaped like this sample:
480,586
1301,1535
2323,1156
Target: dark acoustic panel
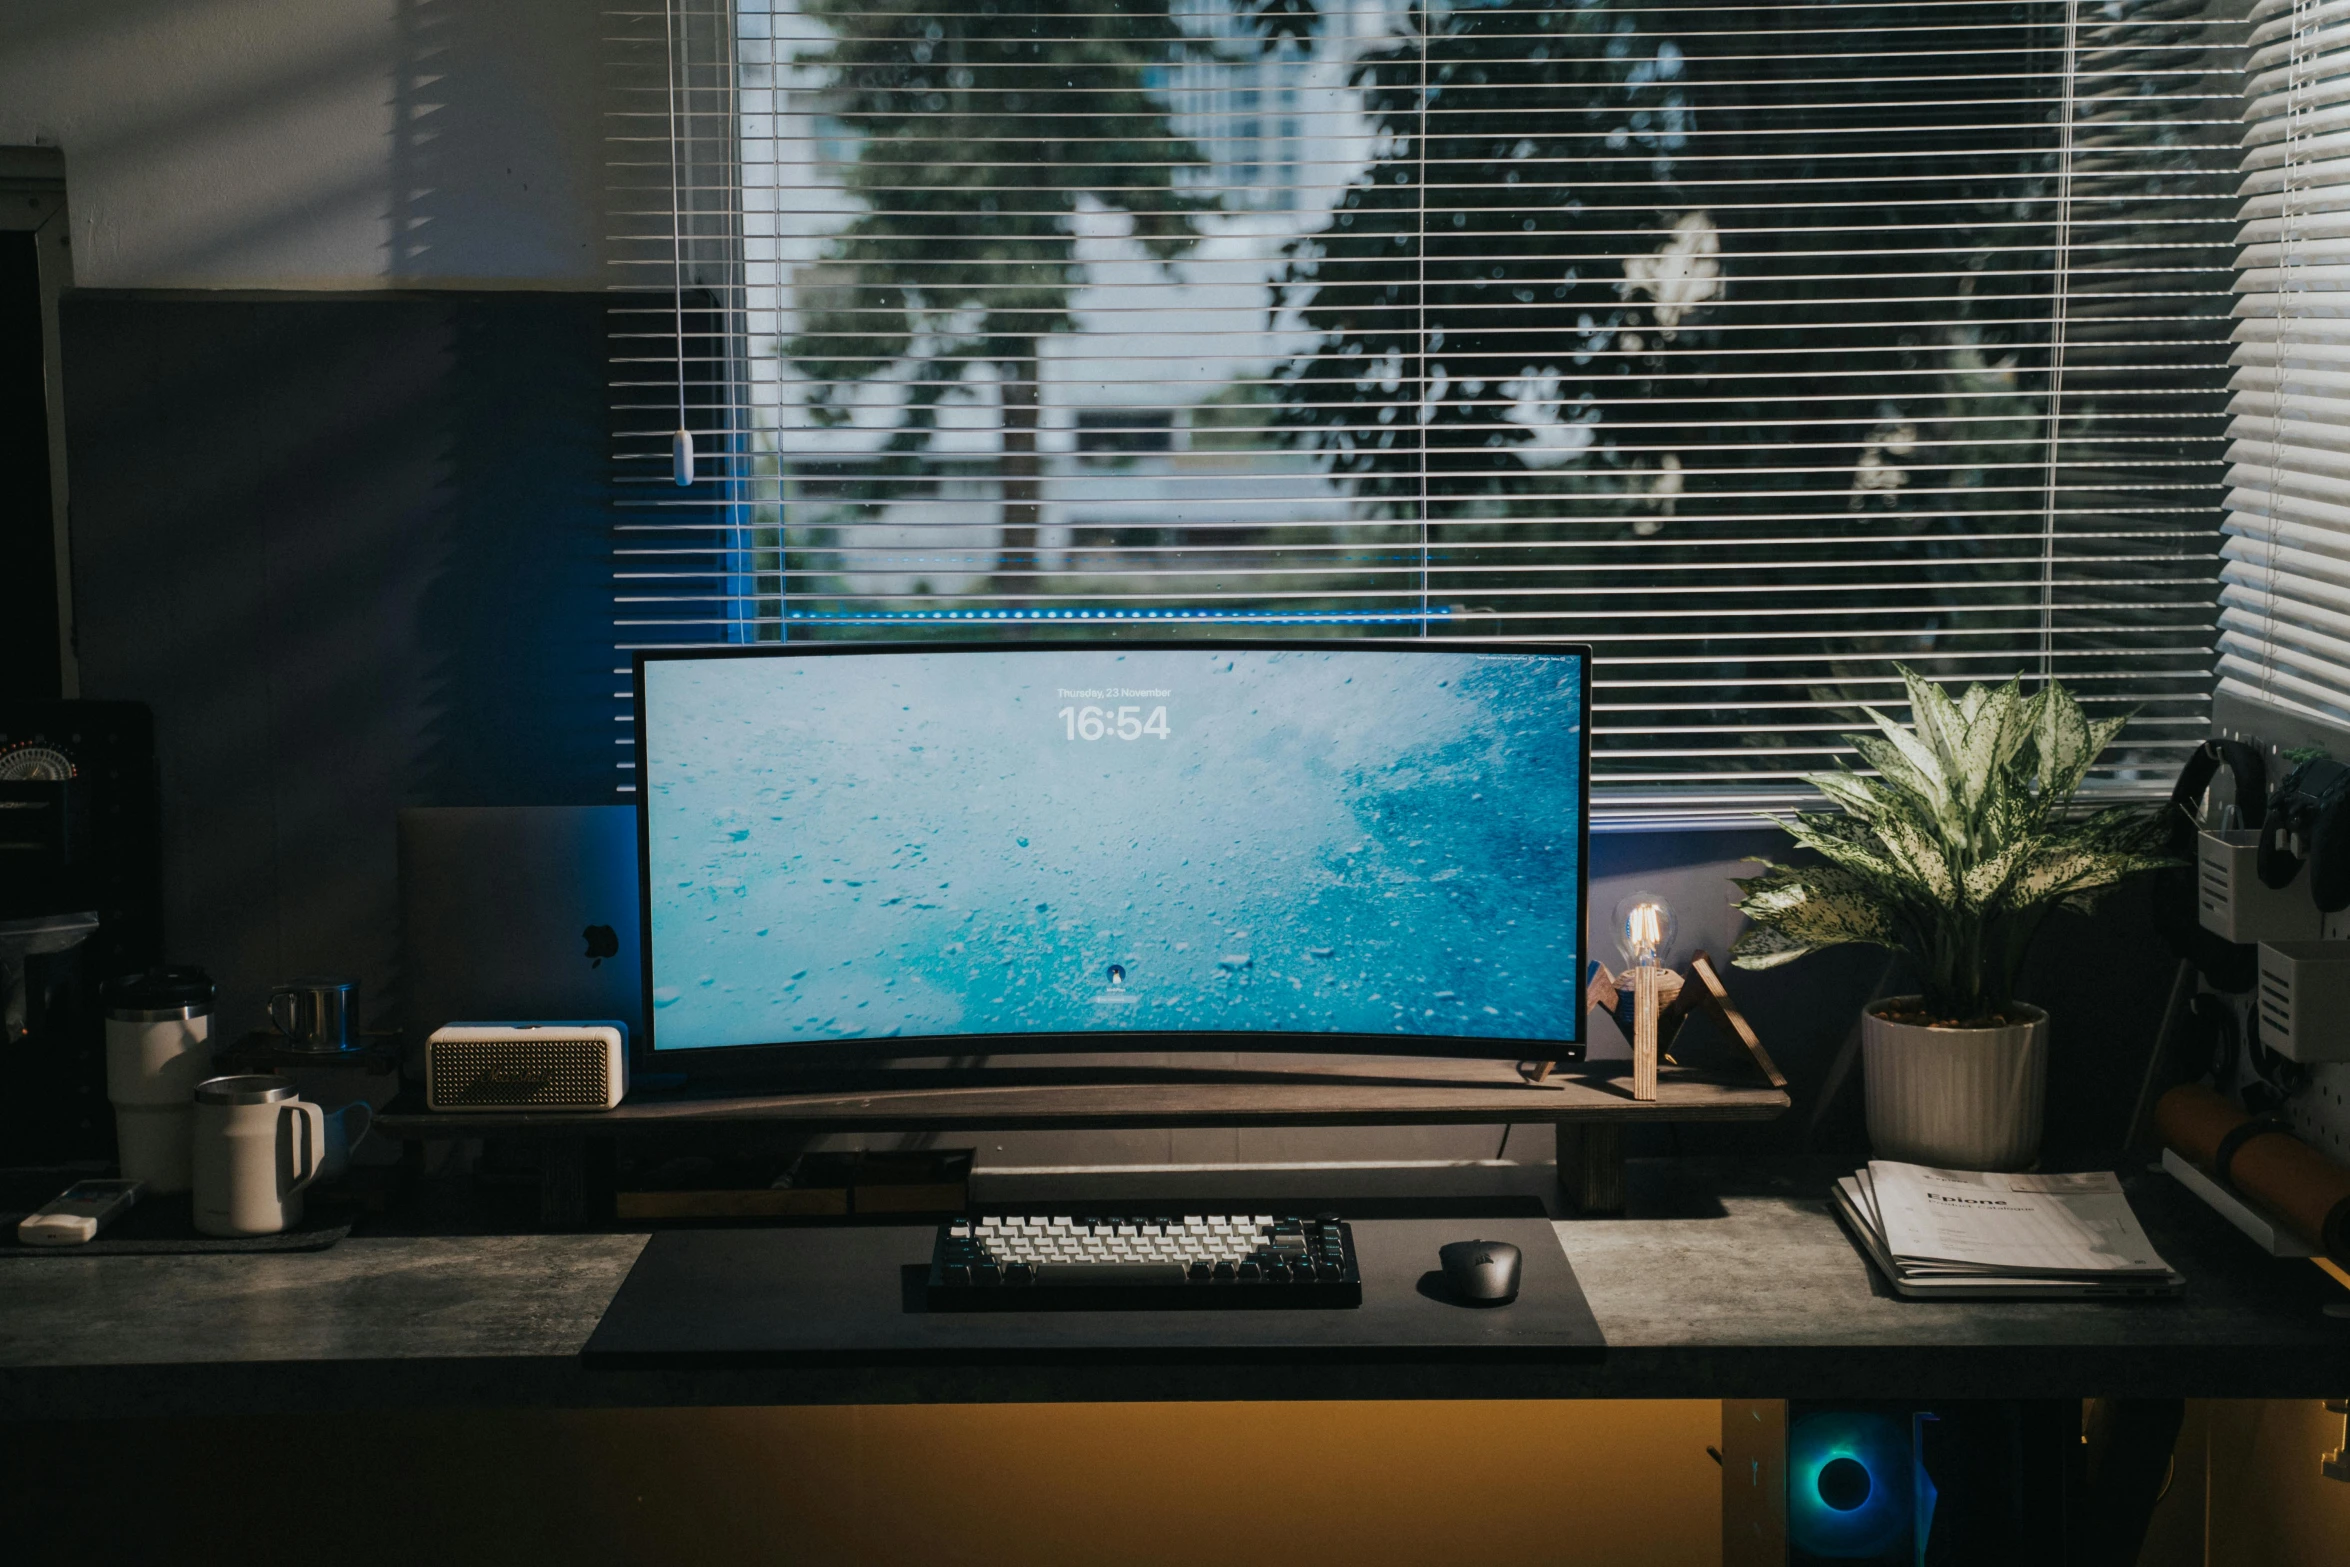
354,551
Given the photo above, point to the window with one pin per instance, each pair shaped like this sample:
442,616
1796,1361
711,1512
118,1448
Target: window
2285,615
1763,348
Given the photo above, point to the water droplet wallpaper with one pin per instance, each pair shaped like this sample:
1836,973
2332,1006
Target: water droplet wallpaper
912,845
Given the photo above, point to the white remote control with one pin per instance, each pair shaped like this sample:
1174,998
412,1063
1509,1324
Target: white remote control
76,1215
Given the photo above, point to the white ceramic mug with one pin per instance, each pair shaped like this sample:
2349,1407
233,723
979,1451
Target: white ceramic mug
257,1146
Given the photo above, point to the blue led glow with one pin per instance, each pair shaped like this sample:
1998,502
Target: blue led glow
1256,617
1881,1520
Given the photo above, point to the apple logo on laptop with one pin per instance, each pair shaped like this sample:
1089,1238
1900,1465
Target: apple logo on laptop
602,942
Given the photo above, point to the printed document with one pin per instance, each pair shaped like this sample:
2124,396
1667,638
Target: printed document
1975,1222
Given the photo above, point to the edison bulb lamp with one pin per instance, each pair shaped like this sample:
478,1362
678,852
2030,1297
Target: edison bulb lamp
1646,929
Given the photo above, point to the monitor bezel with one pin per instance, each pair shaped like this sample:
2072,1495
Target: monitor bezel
784,1058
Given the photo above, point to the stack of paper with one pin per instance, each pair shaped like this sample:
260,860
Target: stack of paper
1979,1235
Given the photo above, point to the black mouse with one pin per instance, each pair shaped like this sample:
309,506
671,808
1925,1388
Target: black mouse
1483,1273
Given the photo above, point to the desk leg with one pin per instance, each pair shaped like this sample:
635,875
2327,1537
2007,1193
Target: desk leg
1754,1482
577,1173
1591,1165
562,1180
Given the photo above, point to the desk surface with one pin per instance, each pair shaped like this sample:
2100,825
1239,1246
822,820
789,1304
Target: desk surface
1726,1280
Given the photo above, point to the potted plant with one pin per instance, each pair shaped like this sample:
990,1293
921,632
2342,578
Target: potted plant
1953,853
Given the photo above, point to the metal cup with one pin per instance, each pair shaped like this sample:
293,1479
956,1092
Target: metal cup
316,1014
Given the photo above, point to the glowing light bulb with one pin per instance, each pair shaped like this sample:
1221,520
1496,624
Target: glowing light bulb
1646,928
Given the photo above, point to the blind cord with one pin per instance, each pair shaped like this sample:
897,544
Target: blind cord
2288,258
681,444
2060,290
1420,300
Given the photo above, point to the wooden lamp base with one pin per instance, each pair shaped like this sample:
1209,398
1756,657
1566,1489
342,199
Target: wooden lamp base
1651,1004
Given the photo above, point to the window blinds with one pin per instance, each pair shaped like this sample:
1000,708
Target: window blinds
2285,599
1763,348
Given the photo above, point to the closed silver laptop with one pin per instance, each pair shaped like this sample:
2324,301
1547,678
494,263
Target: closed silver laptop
518,913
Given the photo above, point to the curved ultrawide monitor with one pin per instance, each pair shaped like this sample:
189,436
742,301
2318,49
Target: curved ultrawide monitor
936,850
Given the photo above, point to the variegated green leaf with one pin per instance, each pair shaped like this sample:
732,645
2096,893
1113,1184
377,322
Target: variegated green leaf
1924,765
1849,790
2122,829
2064,743
1898,767
1987,883
1822,905
1957,842
2015,715
1939,725
1920,855
2060,870
1761,946
1859,853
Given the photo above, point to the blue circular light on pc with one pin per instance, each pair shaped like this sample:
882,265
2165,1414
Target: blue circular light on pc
1849,1485
1844,1484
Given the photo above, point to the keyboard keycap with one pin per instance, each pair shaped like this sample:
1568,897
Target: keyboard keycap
1053,1275
1003,1261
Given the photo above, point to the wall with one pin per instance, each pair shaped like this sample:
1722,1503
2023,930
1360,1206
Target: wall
284,144
347,539
354,553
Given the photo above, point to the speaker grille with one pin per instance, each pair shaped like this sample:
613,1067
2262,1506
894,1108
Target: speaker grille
556,1073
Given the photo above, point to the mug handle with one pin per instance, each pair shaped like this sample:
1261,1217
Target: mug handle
313,1142
352,1120
285,1013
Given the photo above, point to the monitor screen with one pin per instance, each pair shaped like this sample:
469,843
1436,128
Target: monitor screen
1309,845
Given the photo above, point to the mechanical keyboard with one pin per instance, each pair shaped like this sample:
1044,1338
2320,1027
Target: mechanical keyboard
1021,1262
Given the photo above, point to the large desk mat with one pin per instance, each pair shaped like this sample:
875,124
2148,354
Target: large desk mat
764,1296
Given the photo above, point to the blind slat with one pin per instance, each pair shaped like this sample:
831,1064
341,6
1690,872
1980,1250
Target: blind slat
1760,348
2286,578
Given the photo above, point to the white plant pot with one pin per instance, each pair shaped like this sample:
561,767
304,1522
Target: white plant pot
1955,1098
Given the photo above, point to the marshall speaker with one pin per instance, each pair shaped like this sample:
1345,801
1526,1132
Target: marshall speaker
526,1066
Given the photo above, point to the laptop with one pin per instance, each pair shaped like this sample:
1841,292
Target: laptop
518,913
